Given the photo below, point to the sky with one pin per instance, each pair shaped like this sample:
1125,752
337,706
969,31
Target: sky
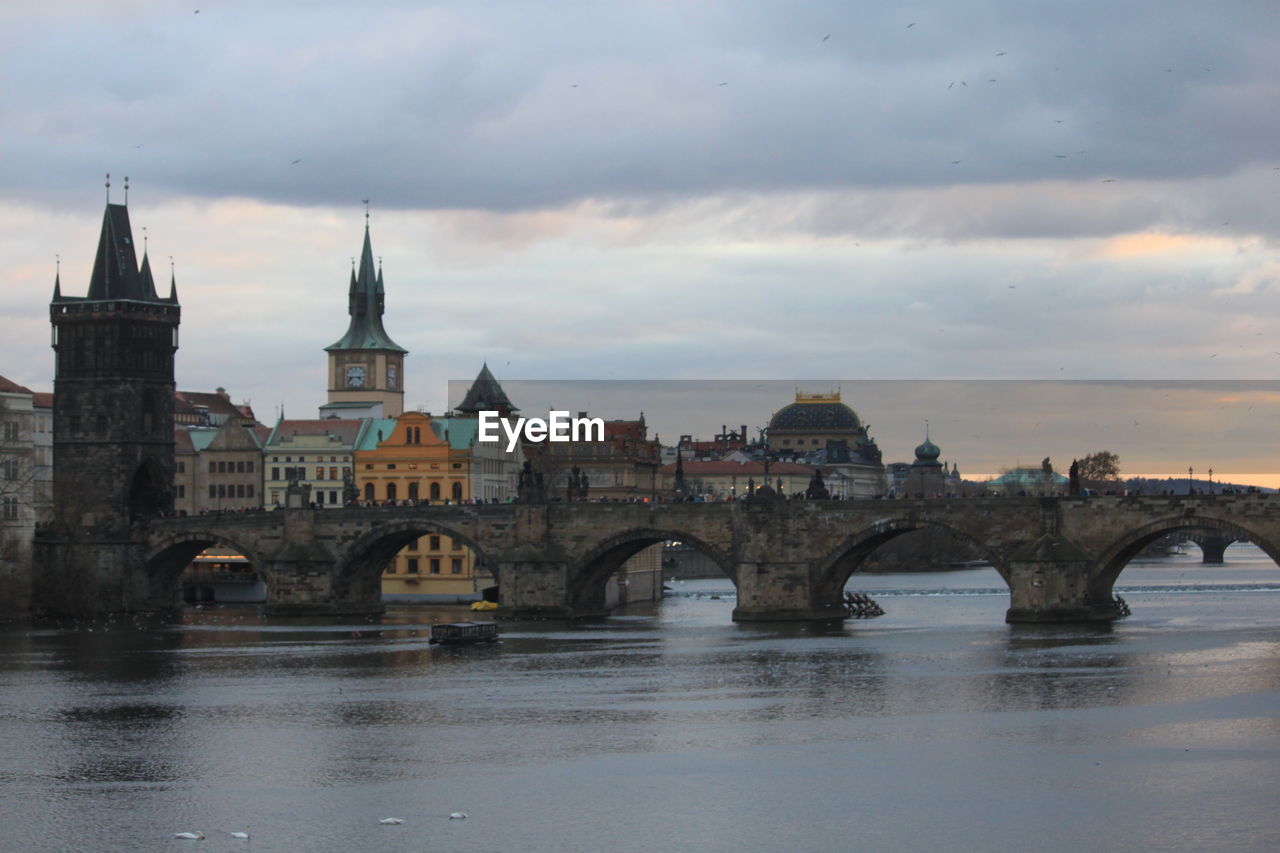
665,190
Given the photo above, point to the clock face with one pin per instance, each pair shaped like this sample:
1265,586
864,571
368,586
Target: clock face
391,375
355,376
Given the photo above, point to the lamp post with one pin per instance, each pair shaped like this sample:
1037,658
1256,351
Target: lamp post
1210,481
1190,474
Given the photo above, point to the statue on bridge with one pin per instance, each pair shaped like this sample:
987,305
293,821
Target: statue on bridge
577,486
529,487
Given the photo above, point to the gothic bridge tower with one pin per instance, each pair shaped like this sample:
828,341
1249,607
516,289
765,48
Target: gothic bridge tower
113,388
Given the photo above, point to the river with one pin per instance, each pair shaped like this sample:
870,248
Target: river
665,728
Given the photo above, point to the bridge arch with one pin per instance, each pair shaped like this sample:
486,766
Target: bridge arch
169,556
365,557
588,574
1117,555
839,564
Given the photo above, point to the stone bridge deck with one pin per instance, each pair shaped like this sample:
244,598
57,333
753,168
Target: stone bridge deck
788,560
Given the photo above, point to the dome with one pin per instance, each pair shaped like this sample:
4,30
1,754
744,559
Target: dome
928,452
815,413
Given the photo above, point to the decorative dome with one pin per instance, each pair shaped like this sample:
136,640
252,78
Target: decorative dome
815,413
928,452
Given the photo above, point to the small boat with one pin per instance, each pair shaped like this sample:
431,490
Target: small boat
464,633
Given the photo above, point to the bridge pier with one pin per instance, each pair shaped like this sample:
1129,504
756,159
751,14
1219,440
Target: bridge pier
535,585
303,578
1214,548
1049,582
780,592
84,573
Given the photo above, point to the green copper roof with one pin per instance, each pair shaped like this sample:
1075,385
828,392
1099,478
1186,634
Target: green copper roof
462,432
365,304
379,429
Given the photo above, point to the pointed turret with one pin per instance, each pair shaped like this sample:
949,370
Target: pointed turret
486,395
144,276
115,266
57,284
173,286
365,305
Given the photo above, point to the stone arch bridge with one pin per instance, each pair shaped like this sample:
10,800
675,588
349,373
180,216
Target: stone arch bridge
788,560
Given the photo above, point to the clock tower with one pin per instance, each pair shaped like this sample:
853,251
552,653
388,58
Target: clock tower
366,376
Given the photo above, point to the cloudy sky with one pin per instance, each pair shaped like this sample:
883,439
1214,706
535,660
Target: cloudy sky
669,190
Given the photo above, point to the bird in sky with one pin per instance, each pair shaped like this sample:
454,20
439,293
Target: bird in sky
824,38
1002,53
296,162
1108,180
910,25
956,162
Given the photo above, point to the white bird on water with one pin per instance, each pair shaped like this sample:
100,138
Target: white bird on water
243,836
390,821
457,816
189,836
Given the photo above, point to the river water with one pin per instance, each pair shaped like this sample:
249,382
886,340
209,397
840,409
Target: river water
666,728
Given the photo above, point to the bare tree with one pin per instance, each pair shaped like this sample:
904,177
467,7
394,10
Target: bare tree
1100,470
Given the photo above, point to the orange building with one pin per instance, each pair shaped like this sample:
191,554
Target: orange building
418,458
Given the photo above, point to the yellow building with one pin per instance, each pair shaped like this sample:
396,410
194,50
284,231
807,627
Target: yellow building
416,458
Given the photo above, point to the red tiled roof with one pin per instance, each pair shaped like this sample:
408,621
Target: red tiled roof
214,402
9,387
182,441
42,399
345,429
694,468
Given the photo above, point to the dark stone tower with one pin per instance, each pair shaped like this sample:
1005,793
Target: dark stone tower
113,389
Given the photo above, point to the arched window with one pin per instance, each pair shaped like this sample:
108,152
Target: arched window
435,491
413,491
368,491
457,490
391,491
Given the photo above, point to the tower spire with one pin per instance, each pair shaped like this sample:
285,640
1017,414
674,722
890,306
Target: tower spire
108,188
57,277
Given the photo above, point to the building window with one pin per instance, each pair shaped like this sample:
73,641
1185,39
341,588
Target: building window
368,491
222,490
333,473
182,467
435,543
10,508
10,469
319,473
434,492
413,491
455,545
240,490
249,466
413,565
213,467
275,473
249,490
435,565
455,565
182,491
391,491
240,467
213,490
457,491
